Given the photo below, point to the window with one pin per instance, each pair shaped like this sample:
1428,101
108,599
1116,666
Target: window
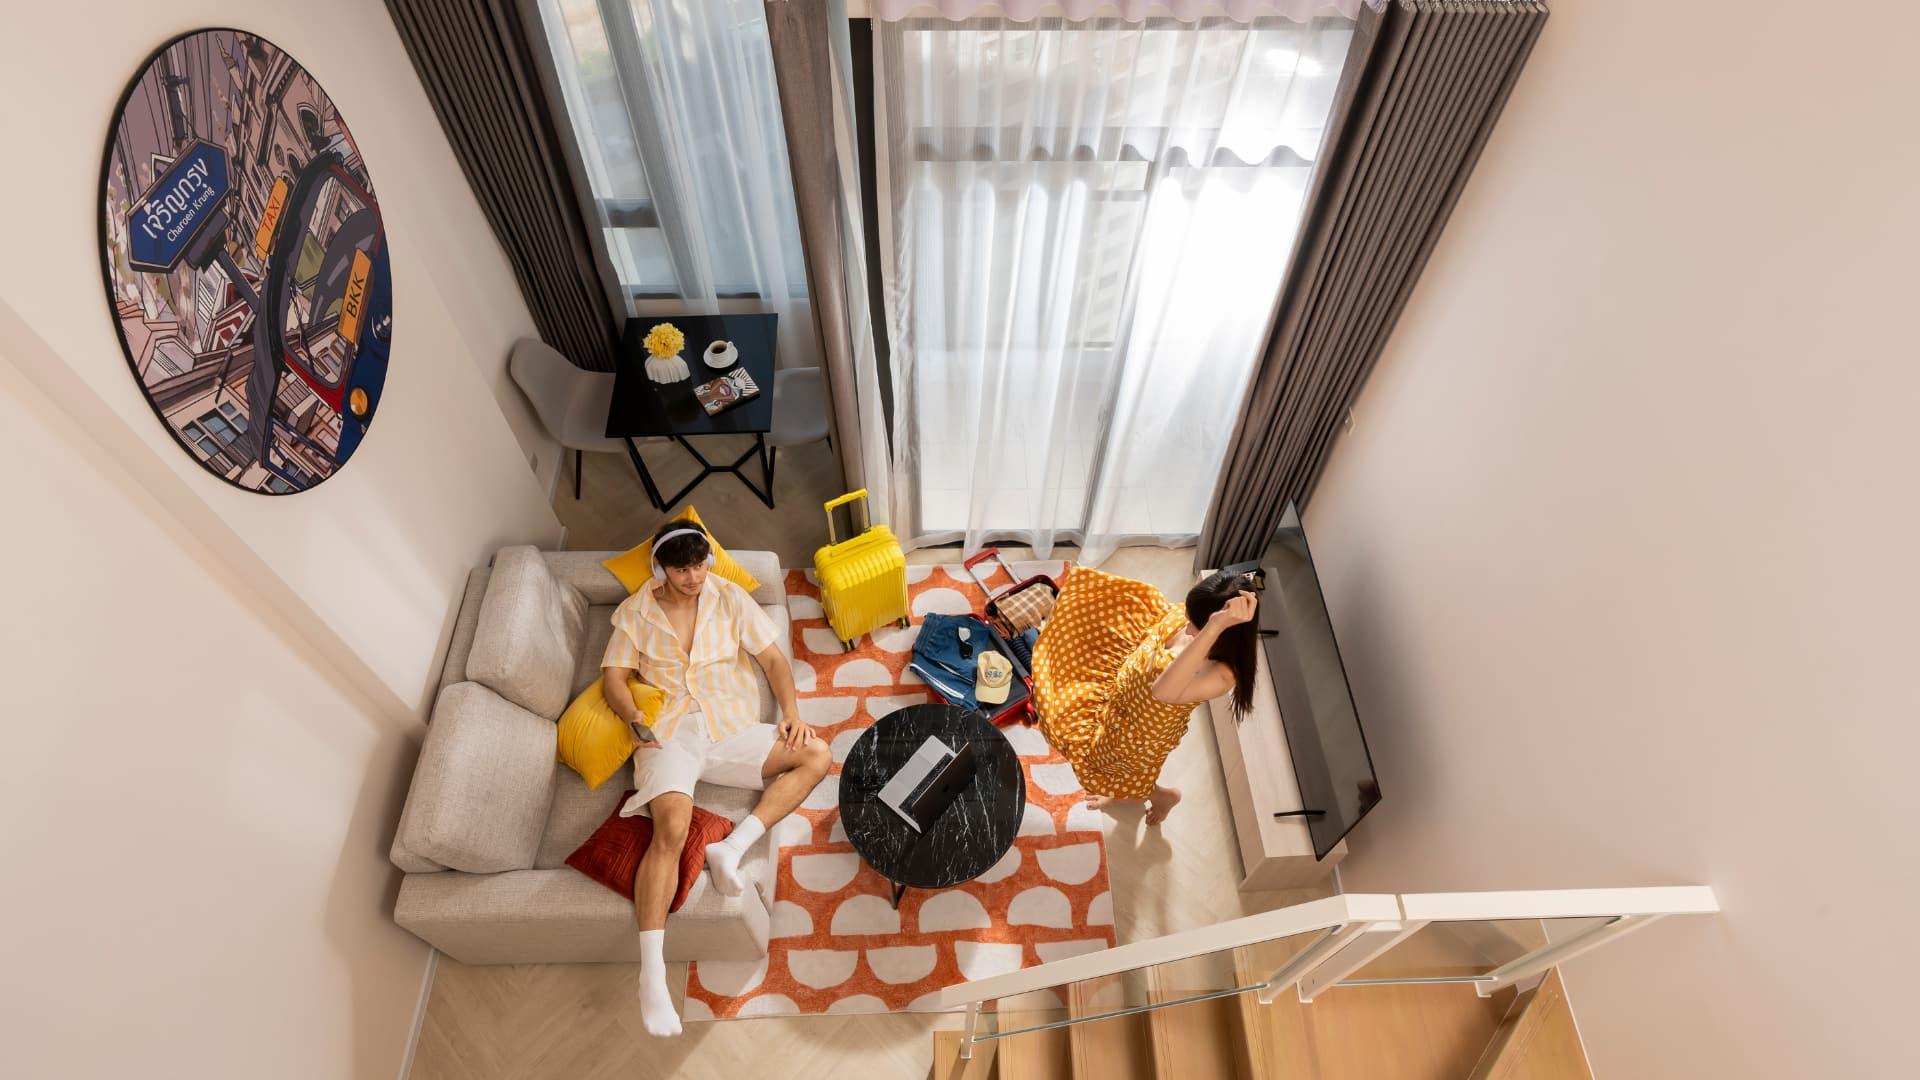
677,117
215,429
1091,221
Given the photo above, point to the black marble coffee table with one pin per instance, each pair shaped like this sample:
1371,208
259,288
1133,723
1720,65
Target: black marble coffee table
969,837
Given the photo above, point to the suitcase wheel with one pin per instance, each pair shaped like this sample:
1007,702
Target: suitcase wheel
904,622
846,646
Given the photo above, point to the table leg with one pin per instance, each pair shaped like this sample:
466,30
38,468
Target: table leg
766,465
646,478
737,468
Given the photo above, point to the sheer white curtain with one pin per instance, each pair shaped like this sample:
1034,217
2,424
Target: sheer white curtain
1089,224
677,116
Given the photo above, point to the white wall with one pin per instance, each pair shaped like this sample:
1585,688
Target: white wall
1624,551
216,696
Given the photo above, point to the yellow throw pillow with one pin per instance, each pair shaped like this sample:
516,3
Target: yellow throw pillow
635,568
591,737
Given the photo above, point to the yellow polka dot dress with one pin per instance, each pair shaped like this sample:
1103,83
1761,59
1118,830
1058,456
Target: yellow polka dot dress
1093,673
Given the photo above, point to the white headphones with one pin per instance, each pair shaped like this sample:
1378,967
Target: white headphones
653,554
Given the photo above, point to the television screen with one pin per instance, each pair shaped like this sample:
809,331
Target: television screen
1330,758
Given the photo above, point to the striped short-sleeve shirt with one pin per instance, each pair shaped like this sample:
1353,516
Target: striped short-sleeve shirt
716,675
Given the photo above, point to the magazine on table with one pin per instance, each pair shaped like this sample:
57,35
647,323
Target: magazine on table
726,391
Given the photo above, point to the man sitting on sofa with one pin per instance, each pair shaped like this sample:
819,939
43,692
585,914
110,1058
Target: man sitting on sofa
688,633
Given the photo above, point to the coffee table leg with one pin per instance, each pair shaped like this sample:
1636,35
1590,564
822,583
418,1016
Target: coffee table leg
899,891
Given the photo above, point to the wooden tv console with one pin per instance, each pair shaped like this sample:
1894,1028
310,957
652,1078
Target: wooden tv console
1275,853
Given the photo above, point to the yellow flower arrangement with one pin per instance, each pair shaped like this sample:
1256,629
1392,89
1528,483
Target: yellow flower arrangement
665,340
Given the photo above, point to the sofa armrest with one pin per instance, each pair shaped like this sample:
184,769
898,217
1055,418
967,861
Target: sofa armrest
482,789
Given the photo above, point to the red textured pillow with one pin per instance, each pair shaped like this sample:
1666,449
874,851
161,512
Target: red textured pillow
611,856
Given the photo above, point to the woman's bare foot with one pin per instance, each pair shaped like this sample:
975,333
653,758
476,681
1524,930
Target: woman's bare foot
1161,804
1099,802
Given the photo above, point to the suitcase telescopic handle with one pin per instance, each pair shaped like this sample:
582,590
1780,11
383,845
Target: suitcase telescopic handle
985,554
859,512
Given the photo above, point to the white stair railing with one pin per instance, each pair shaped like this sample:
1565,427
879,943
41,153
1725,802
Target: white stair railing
1354,930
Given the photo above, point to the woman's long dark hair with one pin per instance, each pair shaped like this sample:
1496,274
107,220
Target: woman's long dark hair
1239,647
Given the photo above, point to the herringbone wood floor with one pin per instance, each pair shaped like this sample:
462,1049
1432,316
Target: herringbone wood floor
581,1021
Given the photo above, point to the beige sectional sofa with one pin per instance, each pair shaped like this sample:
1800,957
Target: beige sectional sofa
491,816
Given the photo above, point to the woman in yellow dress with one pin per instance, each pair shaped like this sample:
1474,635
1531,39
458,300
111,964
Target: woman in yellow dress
1118,670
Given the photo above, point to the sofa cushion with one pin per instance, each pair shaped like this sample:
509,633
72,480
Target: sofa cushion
465,623
593,645
482,789
559,917
593,740
765,568
529,634
578,810
634,567
783,628
611,856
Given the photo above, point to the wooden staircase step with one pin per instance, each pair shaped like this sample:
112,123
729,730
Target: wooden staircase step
1037,1055
1537,1040
1417,1032
947,1063
1205,1038
1115,1049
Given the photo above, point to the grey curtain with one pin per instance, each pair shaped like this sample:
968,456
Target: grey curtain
478,60
1423,86
801,34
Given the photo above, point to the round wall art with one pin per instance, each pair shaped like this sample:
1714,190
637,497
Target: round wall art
246,261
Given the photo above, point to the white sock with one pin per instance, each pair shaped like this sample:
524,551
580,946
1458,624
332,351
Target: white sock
656,1004
723,858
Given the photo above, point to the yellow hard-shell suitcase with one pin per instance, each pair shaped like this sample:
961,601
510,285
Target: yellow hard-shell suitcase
863,579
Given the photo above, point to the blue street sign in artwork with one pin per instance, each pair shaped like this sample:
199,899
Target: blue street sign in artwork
177,208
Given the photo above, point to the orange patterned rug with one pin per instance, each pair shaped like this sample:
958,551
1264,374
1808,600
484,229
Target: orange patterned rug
838,945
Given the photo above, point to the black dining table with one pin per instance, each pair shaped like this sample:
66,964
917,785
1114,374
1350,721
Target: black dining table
644,409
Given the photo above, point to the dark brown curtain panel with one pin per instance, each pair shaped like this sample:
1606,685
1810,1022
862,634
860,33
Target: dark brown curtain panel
1423,86
478,60
800,34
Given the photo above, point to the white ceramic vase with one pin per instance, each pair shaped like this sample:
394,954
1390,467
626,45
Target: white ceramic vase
668,370
721,355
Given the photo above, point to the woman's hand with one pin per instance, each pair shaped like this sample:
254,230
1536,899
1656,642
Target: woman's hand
1240,609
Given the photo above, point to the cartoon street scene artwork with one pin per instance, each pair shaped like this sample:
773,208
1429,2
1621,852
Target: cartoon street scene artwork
246,261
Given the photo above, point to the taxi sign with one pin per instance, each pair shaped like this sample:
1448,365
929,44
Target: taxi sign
270,219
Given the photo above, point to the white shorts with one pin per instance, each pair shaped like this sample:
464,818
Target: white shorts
690,755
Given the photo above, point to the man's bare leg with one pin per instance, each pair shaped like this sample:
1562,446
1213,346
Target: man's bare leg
790,775
653,887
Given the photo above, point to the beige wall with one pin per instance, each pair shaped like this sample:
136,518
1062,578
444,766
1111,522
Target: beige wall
1624,550
217,696
442,478
195,811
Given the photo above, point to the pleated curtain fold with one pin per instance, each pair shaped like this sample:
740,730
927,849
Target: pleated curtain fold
825,200
477,60
1423,86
